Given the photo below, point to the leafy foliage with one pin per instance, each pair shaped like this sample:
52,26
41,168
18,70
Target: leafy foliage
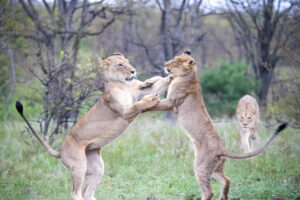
284,101
223,86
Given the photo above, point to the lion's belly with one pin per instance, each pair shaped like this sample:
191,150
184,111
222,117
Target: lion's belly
194,119
96,134
107,132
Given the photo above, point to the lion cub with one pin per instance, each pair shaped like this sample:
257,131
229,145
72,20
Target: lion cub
123,99
185,98
247,113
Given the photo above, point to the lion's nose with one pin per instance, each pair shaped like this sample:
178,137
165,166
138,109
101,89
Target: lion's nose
245,124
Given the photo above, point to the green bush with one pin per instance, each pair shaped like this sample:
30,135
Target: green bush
223,86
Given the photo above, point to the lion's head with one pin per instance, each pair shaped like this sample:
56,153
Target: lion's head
181,65
117,68
246,117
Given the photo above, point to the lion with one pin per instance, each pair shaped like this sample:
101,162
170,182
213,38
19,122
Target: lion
123,99
184,97
247,113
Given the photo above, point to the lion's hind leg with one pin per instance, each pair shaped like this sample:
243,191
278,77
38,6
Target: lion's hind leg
94,173
73,157
203,166
203,173
224,181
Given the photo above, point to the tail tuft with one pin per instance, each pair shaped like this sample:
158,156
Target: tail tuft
282,126
19,107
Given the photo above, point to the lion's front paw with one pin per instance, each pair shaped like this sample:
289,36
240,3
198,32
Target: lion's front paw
150,82
150,100
145,85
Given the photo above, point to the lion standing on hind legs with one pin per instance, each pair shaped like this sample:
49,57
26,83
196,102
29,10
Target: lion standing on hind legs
105,121
185,99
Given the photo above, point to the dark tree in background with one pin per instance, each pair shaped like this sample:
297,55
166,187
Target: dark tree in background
50,47
8,76
178,27
262,28
55,30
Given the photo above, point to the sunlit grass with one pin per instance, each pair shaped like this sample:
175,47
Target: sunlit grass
153,159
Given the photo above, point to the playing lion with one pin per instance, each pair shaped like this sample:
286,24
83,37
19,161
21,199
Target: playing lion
185,99
105,121
247,113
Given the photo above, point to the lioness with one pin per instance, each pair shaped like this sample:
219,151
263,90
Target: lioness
106,120
185,98
247,113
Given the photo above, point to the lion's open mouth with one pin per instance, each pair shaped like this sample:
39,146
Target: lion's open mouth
129,79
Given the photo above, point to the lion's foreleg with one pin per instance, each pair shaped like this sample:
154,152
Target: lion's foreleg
140,106
149,82
163,105
155,85
245,141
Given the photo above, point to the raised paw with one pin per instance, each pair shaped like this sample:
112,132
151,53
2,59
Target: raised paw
151,100
150,82
145,85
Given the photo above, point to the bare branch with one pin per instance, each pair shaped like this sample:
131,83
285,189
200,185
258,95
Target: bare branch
159,5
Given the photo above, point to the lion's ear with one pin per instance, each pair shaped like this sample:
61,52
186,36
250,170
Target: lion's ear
253,111
189,64
118,54
238,111
188,52
104,62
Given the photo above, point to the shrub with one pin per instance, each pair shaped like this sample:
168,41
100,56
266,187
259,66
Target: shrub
223,86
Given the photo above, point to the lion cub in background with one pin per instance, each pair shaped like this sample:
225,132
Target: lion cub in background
247,113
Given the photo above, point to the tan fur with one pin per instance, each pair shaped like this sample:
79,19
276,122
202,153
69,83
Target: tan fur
185,98
105,121
247,113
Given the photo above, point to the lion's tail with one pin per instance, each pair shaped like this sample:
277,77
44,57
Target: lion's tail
52,152
229,154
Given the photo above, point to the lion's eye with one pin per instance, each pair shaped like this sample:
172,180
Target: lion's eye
121,65
191,62
249,117
242,117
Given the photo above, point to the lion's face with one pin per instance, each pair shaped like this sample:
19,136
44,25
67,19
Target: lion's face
117,68
181,65
246,118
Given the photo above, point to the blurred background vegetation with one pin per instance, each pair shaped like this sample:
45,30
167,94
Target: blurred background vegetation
49,53
49,50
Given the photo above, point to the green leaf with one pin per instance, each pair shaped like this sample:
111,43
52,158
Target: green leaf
69,81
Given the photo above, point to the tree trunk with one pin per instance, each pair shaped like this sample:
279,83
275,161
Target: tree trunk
266,78
12,75
165,31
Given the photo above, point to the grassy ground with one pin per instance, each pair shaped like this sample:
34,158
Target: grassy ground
152,160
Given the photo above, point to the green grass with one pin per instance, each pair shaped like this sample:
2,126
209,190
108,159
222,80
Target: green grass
153,160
